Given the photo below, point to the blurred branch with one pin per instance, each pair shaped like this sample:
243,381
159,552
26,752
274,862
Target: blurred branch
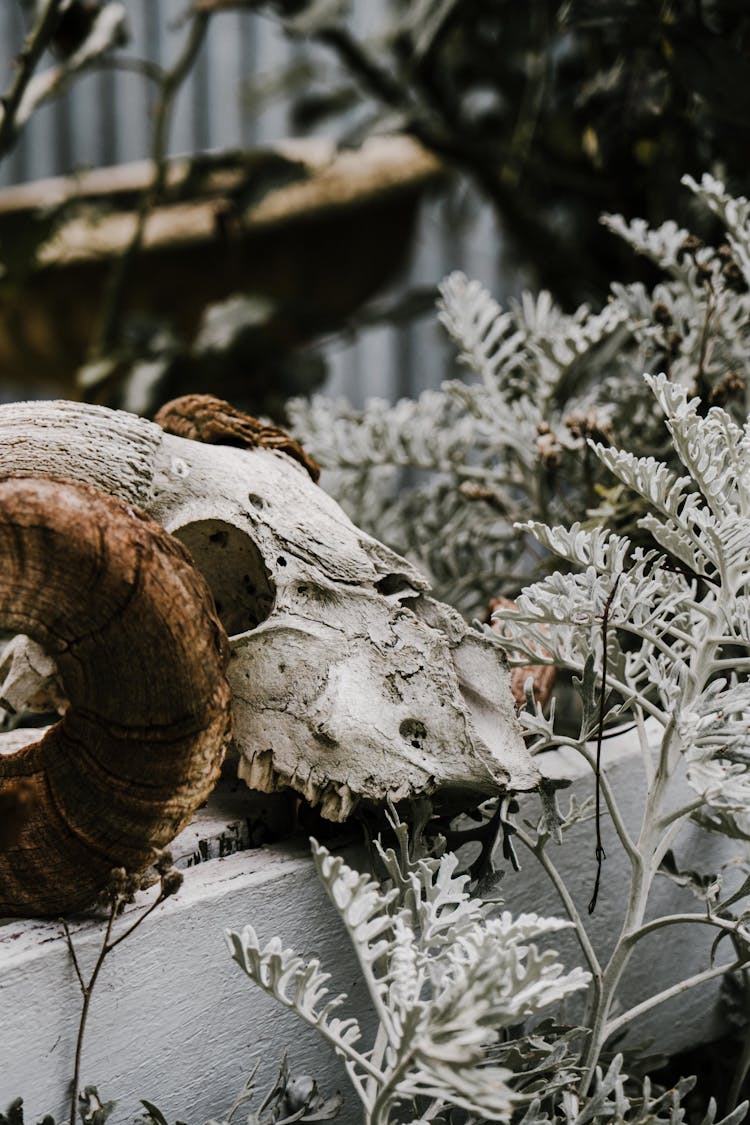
170,83
211,6
404,83
435,126
359,62
32,90
522,139
34,47
145,67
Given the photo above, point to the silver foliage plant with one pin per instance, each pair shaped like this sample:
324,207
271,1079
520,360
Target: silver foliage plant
677,657
655,631
453,983
445,978
512,441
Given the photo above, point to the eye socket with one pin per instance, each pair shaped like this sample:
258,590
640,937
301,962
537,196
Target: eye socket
234,569
414,731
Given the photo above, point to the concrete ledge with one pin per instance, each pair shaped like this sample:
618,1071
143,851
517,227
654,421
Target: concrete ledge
175,1021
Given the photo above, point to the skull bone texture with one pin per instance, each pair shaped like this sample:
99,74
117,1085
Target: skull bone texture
348,681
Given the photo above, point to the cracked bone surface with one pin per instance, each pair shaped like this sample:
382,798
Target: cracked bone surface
348,680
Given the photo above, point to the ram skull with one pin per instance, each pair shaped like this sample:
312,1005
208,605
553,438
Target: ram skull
348,681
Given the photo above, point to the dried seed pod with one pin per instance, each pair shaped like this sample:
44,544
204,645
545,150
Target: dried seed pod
141,656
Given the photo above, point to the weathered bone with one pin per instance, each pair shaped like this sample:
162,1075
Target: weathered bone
348,681
29,678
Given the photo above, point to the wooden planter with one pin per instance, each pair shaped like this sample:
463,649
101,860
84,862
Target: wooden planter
317,247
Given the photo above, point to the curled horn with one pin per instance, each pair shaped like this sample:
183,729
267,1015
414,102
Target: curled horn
142,658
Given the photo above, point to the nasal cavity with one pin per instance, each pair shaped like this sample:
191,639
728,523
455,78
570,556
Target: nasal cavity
234,569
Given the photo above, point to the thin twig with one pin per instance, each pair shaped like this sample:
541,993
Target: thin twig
599,851
630,847
34,47
143,67
87,992
436,126
74,958
376,78
729,926
668,993
120,892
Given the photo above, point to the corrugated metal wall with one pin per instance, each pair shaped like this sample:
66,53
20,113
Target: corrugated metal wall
104,120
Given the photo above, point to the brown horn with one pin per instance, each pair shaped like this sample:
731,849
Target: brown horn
141,655
212,420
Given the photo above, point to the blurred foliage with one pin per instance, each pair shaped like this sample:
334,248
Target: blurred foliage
557,109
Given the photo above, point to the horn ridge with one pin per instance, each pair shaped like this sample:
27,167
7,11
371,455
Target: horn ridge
142,658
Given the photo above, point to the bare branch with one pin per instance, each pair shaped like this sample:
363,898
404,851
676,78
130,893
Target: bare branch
33,49
169,84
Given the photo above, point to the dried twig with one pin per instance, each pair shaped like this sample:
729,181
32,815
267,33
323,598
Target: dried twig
121,891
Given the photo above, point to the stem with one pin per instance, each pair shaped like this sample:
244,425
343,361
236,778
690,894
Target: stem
743,1064
144,67
732,664
620,827
358,1084
648,762
651,845
668,993
345,1051
624,836
376,1057
71,948
681,919
540,851
667,840
612,974
626,692
433,121
372,985
141,918
380,1108
651,638
377,79
682,814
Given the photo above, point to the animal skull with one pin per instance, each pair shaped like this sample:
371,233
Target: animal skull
348,681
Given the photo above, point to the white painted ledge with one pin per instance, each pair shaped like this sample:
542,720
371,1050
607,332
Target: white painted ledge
174,1020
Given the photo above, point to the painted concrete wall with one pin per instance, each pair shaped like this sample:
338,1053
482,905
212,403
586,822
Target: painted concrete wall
175,1020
